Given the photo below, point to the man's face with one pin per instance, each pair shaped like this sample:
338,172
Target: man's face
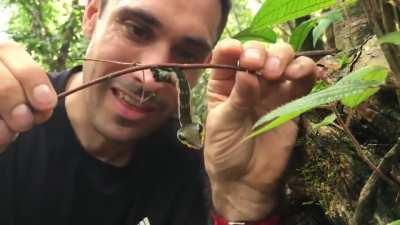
147,32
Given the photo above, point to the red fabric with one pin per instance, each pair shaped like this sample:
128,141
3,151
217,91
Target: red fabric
272,220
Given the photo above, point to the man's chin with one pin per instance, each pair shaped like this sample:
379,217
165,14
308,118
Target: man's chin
124,134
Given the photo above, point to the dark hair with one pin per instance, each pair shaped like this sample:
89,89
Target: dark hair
225,8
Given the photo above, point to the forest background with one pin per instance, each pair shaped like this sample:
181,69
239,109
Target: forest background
345,170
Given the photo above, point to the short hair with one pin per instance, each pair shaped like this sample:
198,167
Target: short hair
225,9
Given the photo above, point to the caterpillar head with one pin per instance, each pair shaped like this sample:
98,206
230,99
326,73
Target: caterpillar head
191,135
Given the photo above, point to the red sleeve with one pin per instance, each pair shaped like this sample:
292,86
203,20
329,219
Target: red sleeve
272,220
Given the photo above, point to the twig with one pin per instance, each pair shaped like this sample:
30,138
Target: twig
317,52
361,154
137,67
152,66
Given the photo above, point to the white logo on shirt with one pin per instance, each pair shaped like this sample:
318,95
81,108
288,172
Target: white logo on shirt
145,221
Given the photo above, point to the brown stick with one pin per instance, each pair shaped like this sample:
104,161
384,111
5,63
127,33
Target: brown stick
152,66
136,67
317,53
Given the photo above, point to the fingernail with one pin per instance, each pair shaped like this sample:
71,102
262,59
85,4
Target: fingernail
252,54
273,65
43,95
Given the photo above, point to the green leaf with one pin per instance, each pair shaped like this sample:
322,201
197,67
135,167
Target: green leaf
355,84
377,74
328,120
397,222
323,24
392,38
265,34
319,86
299,106
300,34
279,11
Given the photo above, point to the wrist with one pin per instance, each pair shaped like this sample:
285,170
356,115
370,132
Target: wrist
219,220
239,202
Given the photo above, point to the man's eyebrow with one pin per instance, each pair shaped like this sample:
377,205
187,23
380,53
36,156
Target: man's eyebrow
197,43
146,17
137,13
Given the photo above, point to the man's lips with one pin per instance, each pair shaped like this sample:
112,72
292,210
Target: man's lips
129,105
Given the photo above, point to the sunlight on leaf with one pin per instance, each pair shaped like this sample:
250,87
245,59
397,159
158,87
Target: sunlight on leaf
373,73
392,38
397,222
280,11
264,34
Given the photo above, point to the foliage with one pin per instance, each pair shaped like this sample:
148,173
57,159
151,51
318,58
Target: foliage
280,11
318,25
50,31
300,34
324,22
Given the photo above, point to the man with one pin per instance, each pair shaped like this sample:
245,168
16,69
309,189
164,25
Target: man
101,157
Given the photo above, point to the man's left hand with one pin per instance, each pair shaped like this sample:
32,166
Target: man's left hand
245,176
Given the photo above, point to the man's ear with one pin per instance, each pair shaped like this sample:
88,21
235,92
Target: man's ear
90,17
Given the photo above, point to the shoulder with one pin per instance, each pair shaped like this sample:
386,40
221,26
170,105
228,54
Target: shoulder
60,79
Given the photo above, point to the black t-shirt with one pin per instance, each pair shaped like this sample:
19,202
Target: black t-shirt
46,177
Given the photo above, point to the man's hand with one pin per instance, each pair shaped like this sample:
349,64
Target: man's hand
26,94
245,176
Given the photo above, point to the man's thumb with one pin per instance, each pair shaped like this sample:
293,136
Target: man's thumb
245,92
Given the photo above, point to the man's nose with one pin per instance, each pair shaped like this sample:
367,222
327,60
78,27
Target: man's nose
153,56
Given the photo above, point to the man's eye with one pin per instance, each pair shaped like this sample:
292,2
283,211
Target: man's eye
138,32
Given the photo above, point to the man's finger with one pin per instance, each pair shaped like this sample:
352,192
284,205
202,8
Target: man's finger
13,108
29,74
302,86
301,67
253,56
245,92
227,52
279,56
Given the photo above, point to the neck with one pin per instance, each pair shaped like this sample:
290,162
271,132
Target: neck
92,141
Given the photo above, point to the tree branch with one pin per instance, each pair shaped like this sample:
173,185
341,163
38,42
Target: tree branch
363,157
363,210
68,28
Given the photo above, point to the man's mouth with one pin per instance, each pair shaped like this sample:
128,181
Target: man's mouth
124,97
130,105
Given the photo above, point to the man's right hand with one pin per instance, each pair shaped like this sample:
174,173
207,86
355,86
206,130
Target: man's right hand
26,94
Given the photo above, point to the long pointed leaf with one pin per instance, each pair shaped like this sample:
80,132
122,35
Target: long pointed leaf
352,86
300,34
376,73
